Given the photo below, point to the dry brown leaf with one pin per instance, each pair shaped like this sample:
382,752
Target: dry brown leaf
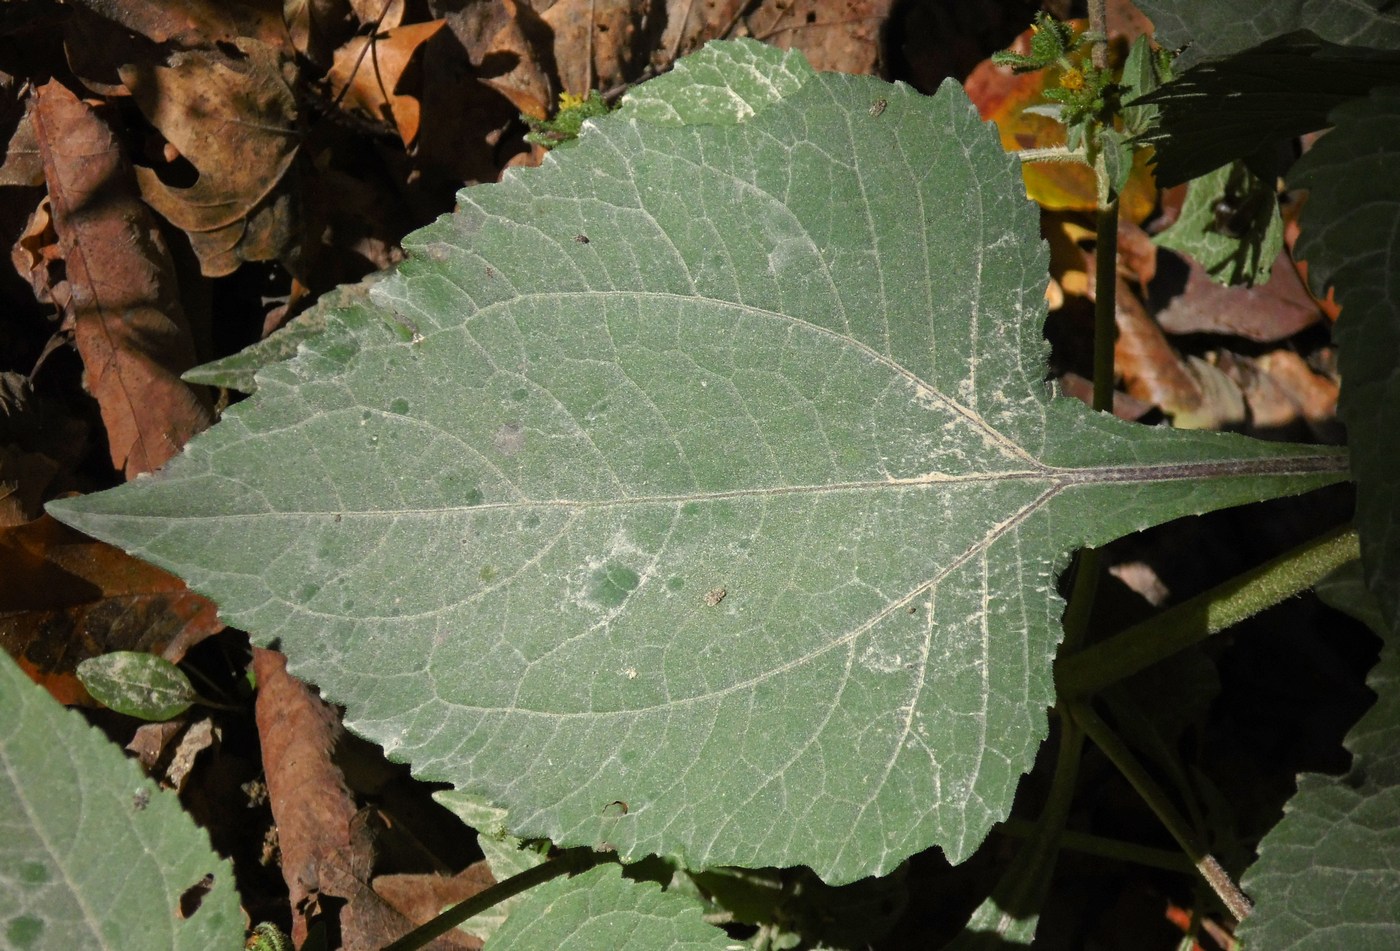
478,76
326,844
505,44
374,75
120,291
233,117
65,598
1314,394
1274,310
36,255
842,37
383,14
420,898
22,163
690,24
599,44
196,22
1191,391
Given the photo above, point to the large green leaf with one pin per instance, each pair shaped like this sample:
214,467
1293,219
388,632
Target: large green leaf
708,469
1249,104
1328,874
1210,29
92,853
1351,239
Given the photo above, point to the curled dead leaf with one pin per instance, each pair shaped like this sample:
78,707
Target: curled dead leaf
233,117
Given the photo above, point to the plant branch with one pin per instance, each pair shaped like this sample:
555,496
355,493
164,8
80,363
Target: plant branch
1098,25
1080,674
1053,153
1105,289
568,863
1088,843
1206,864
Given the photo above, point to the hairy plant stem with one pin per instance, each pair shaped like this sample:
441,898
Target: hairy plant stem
1053,153
567,863
1235,901
1080,674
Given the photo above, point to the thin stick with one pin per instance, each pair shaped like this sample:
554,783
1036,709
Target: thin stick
1206,864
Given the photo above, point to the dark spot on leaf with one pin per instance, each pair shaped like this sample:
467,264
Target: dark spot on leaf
675,582
611,584
23,931
192,897
399,406
581,238
615,808
519,394
33,873
490,272
488,573
141,799
509,439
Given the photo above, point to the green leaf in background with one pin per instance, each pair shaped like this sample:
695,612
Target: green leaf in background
1230,223
1210,29
137,684
1247,106
600,910
1351,239
93,854
1328,875
719,478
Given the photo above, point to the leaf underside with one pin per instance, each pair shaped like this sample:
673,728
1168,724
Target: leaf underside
709,469
92,853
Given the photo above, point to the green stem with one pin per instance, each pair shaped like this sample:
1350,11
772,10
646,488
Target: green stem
1118,753
1105,291
1081,599
1053,153
1022,891
568,863
1169,859
1080,674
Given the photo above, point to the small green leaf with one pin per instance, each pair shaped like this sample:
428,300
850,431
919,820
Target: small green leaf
1143,72
1118,157
92,853
1230,223
600,910
137,684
